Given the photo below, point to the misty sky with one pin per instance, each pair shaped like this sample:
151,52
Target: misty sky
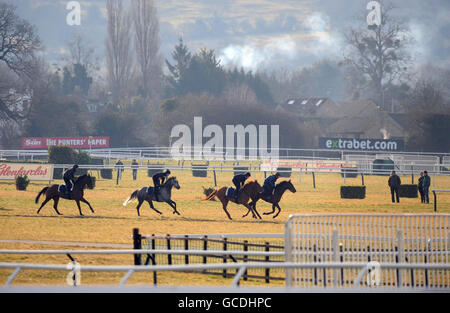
255,34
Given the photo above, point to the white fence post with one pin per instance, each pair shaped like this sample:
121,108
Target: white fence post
335,256
288,251
401,256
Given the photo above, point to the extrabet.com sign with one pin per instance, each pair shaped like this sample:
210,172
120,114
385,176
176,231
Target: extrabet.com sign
361,144
74,142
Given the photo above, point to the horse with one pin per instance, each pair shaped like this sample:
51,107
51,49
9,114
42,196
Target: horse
274,199
165,195
249,191
77,194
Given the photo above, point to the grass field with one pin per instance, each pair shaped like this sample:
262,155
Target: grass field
113,223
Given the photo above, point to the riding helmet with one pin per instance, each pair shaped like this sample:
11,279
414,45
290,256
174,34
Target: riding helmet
167,172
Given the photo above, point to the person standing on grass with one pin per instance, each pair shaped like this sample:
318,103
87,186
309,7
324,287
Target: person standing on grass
135,167
426,187
119,167
420,187
394,183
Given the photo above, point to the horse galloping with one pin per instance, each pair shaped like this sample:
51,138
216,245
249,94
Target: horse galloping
165,195
77,194
274,199
249,191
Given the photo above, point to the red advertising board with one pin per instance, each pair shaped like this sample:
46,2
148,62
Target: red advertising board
74,142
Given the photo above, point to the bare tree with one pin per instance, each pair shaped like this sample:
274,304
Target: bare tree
118,48
147,44
82,52
18,44
18,40
380,52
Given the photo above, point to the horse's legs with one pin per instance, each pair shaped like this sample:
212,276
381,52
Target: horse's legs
250,209
256,211
79,206
279,210
150,202
224,206
85,201
55,205
248,212
174,206
273,210
139,206
43,203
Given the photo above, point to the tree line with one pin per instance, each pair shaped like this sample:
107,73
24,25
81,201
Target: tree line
136,96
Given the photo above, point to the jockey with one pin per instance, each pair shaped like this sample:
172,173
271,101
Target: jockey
69,178
159,179
239,181
269,184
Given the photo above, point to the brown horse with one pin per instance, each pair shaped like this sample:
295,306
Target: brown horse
274,199
77,194
249,191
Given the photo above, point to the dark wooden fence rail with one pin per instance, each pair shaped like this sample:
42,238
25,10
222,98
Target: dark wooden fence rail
204,243
168,242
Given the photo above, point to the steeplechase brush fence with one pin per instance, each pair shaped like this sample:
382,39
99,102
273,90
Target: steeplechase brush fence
213,243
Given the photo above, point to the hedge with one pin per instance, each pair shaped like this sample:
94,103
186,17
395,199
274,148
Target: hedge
67,155
383,167
106,173
350,172
22,182
200,170
155,168
353,192
408,191
240,170
285,171
61,155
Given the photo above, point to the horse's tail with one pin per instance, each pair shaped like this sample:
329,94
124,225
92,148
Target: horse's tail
130,198
212,195
40,193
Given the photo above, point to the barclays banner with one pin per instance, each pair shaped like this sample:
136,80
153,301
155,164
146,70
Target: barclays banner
361,144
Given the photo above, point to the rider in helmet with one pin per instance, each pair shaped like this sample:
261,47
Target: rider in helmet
159,179
239,181
269,184
69,178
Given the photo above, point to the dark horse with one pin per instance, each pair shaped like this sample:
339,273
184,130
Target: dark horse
165,195
274,199
52,193
250,191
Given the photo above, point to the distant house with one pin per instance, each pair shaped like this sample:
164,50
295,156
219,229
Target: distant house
351,119
16,101
364,119
308,108
93,105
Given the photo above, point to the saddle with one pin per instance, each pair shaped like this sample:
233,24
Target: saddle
230,193
63,189
152,191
